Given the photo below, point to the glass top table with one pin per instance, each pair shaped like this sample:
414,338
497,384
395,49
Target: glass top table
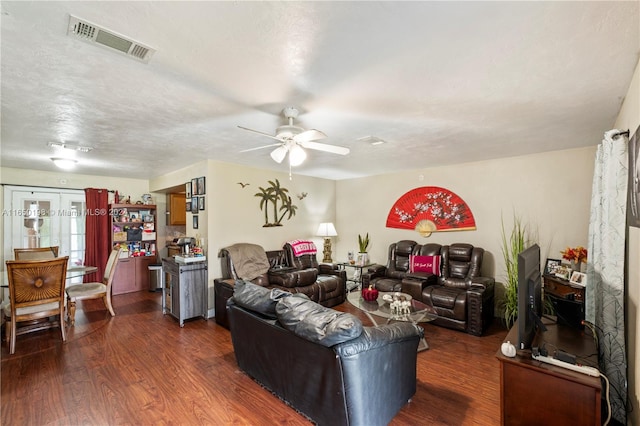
355,281
395,306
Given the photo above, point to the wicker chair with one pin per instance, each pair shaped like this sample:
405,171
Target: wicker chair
36,293
36,253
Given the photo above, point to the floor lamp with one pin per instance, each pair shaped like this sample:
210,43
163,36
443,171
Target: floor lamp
327,230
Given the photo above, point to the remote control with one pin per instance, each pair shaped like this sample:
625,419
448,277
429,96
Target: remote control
590,371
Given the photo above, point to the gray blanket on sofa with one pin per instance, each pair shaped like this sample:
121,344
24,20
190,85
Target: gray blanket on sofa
249,260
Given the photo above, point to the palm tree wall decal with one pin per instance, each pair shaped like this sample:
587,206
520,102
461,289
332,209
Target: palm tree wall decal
275,194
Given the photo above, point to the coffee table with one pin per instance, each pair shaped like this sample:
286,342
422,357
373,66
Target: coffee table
413,311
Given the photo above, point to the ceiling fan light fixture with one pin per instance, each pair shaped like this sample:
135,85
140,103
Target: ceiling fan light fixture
279,153
297,155
64,163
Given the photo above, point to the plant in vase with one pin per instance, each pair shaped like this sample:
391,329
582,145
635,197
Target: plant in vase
363,245
576,256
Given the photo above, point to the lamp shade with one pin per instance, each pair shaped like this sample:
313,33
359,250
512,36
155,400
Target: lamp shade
279,153
327,230
296,155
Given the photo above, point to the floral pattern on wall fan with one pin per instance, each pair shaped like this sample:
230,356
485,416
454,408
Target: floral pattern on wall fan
430,209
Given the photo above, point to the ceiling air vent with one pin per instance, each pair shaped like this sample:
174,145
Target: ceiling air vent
91,33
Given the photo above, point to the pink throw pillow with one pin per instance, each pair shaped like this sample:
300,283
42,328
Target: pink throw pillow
429,264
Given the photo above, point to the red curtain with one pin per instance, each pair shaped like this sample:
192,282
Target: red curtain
97,243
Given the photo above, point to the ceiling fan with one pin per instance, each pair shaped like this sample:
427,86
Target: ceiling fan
291,139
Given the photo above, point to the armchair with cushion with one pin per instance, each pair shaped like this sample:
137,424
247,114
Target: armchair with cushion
464,299
272,269
389,277
331,281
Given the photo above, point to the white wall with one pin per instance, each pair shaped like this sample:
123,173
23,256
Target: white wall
550,192
629,118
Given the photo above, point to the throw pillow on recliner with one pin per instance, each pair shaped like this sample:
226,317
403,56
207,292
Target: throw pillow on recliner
315,322
429,264
257,298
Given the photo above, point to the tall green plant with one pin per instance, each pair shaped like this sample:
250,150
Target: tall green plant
363,243
512,245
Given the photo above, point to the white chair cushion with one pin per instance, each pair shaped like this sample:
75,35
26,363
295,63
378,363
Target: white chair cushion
86,289
31,309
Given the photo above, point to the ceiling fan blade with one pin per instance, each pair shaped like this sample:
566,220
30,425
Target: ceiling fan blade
309,135
334,149
261,147
261,133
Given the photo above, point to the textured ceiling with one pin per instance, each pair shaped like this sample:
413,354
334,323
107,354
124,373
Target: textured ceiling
440,82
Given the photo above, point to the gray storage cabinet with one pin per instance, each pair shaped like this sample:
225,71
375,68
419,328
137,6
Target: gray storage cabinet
185,290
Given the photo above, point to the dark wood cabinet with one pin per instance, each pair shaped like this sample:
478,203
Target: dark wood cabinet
185,290
535,393
562,288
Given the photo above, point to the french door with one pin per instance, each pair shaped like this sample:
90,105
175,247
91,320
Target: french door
43,217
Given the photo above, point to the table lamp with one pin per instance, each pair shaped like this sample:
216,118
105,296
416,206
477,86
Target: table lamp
327,230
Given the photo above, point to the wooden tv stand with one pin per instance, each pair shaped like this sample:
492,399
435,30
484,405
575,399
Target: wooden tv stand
535,393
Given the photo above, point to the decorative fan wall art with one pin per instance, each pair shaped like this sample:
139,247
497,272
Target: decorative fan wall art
431,209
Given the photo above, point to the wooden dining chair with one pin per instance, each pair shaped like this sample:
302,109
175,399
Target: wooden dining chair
36,292
36,253
95,290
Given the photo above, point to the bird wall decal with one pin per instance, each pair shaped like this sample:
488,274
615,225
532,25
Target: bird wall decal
243,184
301,196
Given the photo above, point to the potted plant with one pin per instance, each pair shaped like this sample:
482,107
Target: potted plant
512,245
363,245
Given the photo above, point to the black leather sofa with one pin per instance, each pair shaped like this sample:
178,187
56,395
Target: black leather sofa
322,362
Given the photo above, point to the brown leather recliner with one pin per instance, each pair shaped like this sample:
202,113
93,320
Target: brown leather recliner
463,299
389,277
331,282
323,283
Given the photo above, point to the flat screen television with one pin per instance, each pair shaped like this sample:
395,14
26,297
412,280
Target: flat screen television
529,296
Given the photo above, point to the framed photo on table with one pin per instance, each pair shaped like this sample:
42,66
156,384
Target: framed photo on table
563,271
578,278
551,266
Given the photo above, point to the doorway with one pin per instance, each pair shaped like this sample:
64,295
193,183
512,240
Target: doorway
43,217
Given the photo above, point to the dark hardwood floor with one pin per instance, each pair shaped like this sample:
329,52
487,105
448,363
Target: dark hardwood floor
141,368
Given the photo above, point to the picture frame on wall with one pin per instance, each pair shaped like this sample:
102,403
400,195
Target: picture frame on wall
195,221
551,266
194,187
200,203
187,190
201,188
188,206
194,204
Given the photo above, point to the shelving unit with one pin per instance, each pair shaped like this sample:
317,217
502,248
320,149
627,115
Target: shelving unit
133,227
